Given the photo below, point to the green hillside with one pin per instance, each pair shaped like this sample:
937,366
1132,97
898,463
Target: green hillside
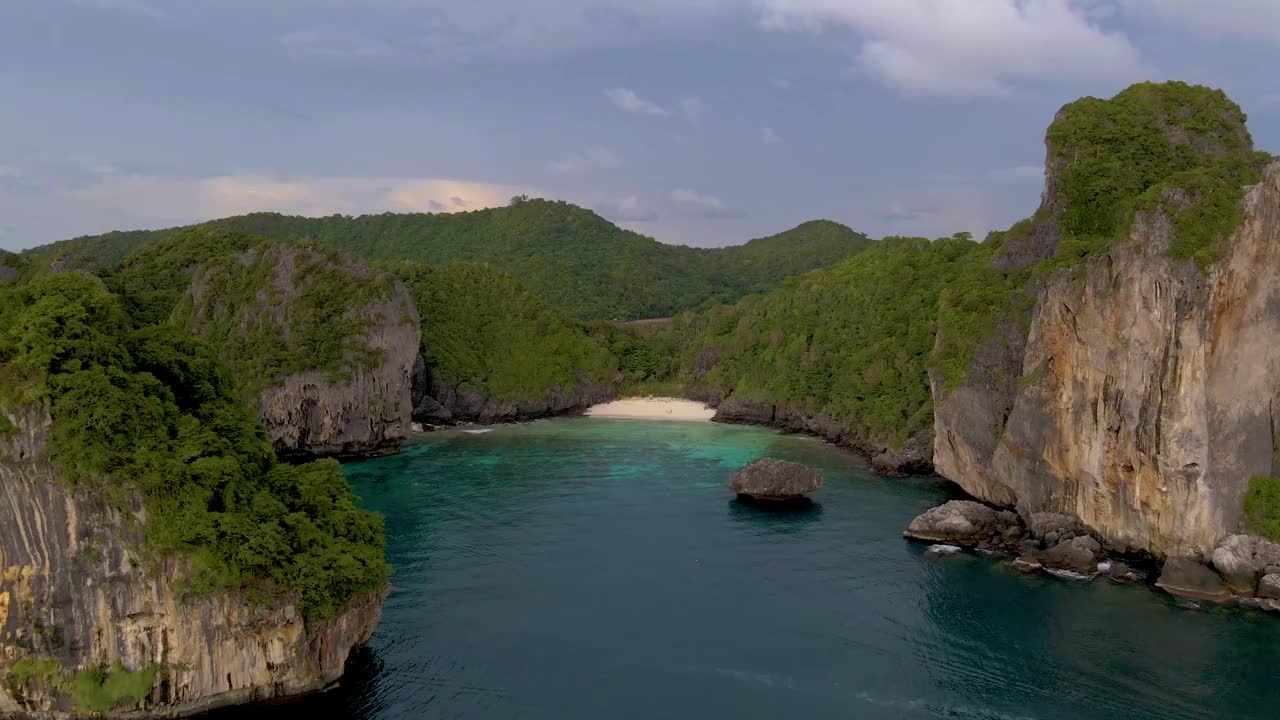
482,330
567,256
853,341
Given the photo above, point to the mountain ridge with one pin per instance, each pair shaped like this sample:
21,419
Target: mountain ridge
567,255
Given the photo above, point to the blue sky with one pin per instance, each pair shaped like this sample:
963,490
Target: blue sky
704,122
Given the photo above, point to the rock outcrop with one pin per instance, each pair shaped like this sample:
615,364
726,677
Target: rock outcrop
962,522
77,593
362,407
1188,578
770,479
915,457
1141,396
439,401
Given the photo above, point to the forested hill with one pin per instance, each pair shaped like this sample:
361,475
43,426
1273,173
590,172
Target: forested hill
566,255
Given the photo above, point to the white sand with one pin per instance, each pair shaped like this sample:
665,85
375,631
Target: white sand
653,408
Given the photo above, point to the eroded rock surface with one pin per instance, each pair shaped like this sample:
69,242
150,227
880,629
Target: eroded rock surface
75,589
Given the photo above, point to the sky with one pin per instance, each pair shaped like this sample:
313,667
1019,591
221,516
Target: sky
701,122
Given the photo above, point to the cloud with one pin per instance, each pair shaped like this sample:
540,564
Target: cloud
963,47
769,137
692,204
629,101
586,161
628,209
165,199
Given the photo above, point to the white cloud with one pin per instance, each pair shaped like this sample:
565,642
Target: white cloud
692,204
628,209
586,161
629,101
769,137
968,47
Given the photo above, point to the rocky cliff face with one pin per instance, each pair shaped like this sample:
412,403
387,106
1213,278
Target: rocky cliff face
1145,394
76,593
365,409
439,401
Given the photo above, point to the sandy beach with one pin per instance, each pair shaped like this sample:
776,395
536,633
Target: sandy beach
653,408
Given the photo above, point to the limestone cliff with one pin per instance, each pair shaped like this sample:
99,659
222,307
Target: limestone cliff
1141,397
77,595
329,342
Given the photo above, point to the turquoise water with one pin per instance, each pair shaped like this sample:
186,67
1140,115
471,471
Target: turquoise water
601,569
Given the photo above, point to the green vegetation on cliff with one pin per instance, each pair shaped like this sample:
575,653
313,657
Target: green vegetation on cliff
1180,149
852,341
484,331
155,411
564,254
280,309
1136,151
152,280
1262,507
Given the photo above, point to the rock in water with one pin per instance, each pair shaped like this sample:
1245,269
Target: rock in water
1269,587
325,343
1078,555
962,522
770,479
1188,578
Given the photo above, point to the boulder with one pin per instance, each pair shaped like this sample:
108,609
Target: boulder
1189,578
1242,559
1269,586
1055,527
1233,559
770,479
1078,555
961,522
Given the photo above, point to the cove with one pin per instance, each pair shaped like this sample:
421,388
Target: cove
595,568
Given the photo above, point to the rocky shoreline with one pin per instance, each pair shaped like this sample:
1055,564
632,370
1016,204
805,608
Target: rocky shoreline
915,457
1243,569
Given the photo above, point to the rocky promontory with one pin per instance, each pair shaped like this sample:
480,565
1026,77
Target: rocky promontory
1128,379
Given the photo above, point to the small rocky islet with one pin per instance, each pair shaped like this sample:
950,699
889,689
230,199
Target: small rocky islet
772,480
